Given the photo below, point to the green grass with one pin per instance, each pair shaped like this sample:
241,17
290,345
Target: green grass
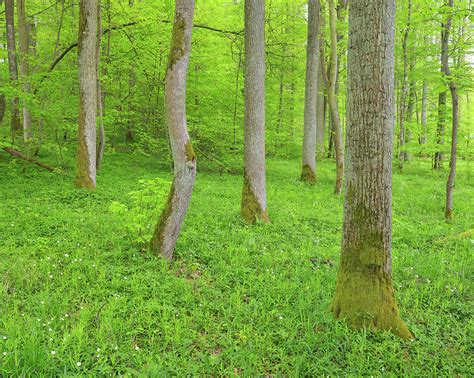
237,300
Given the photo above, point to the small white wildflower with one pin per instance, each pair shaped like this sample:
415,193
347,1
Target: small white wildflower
66,255
53,352
98,349
50,339
4,353
50,276
42,302
280,317
98,356
78,363
50,330
137,347
116,347
66,315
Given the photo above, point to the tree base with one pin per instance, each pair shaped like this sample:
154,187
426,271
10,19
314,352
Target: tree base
251,210
367,301
308,175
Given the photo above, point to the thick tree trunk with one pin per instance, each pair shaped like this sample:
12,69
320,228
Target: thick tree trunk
424,101
169,225
364,291
12,64
101,93
455,122
308,172
87,60
254,198
320,116
332,100
24,67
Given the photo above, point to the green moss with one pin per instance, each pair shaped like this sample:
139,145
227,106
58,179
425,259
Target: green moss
178,41
156,244
251,210
364,293
365,299
308,175
189,151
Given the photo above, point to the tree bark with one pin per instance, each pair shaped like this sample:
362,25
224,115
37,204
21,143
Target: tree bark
308,173
320,116
440,130
254,199
24,67
12,64
332,99
101,93
455,121
424,101
169,225
87,61
364,291
404,91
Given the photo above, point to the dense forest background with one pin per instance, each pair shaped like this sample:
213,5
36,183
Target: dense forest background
133,65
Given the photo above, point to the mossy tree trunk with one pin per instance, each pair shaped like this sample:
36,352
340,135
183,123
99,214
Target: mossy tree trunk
24,66
308,173
254,199
424,114
169,225
88,99
12,64
364,292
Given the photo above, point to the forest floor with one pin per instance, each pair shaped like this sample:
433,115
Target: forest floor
77,295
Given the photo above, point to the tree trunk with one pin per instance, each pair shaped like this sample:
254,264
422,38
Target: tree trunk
87,61
424,101
12,64
404,92
438,157
308,173
320,116
101,93
332,99
24,67
169,225
364,292
254,199
455,122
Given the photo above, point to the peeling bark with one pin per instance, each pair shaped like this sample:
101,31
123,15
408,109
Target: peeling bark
169,225
364,292
254,200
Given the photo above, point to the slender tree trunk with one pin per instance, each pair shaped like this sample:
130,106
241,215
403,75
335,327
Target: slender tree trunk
24,67
101,93
455,122
308,172
3,104
364,291
12,64
424,101
438,157
320,116
87,61
332,99
404,91
254,198
169,225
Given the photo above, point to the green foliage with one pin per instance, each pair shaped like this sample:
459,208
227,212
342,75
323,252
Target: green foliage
141,210
237,299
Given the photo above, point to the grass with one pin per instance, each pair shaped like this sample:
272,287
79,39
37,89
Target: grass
77,296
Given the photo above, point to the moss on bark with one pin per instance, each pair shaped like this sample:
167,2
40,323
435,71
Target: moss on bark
189,151
308,175
366,299
82,179
251,209
160,228
178,46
